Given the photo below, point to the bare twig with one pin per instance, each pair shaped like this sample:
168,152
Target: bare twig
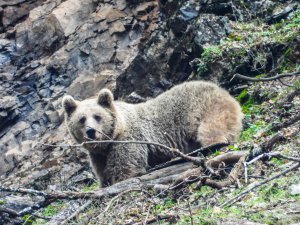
52,195
234,174
156,219
273,154
287,123
110,142
190,212
177,152
278,76
195,160
239,196
79,210
193,153
114,199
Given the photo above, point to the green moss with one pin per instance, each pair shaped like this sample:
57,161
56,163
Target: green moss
209,54
252,129
242,95
53,209
233,148
166,204
49,211
94,186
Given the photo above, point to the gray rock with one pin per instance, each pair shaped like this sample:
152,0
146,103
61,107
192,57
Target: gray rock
211,29
8,102
116,27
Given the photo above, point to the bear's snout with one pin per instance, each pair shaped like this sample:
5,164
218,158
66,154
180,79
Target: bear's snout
91,133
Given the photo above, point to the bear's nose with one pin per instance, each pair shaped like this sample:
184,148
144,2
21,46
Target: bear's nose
90,132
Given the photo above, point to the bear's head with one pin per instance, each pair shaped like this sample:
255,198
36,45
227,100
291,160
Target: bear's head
91,119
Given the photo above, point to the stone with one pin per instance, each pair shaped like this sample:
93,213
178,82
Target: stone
116,27
143,8
19,128
12,14
114,14
284,13
188,12
8,102
211,29
53,117
121,4
87,85
72,13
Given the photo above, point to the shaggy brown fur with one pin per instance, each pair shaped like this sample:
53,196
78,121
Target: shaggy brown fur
190,115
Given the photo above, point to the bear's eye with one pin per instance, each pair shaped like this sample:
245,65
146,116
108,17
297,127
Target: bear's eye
97,118
82,120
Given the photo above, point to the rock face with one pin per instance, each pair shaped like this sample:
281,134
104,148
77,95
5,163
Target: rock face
136,48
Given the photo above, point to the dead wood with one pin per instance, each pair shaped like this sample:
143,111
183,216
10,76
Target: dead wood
243,193
237,158
228,158
168,217
286,123
266,146
265,79
146,181
196,174
203,150
76,213
289,98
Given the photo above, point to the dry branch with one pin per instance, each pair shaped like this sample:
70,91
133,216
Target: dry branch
287,123
202,150
168,217
236,158
252,79
228,158
79,210
146,181
239,196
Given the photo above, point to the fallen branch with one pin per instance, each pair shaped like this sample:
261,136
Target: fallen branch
229,158
14,213
165,175
236,158
272,154
202,150
267,145
286,123
79,210
278,76
239,196
168,217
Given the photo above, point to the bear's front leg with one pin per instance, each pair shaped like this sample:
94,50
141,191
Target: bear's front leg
125,161
98,163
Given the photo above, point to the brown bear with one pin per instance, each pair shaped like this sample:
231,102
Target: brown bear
189,115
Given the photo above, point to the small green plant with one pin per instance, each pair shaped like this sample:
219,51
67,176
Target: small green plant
210,54
94,186
52,210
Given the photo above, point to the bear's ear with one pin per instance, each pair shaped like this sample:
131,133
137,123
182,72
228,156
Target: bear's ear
69,104
105,98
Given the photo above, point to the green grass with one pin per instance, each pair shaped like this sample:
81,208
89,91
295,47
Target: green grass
209,54
49,211
254,37
94,186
